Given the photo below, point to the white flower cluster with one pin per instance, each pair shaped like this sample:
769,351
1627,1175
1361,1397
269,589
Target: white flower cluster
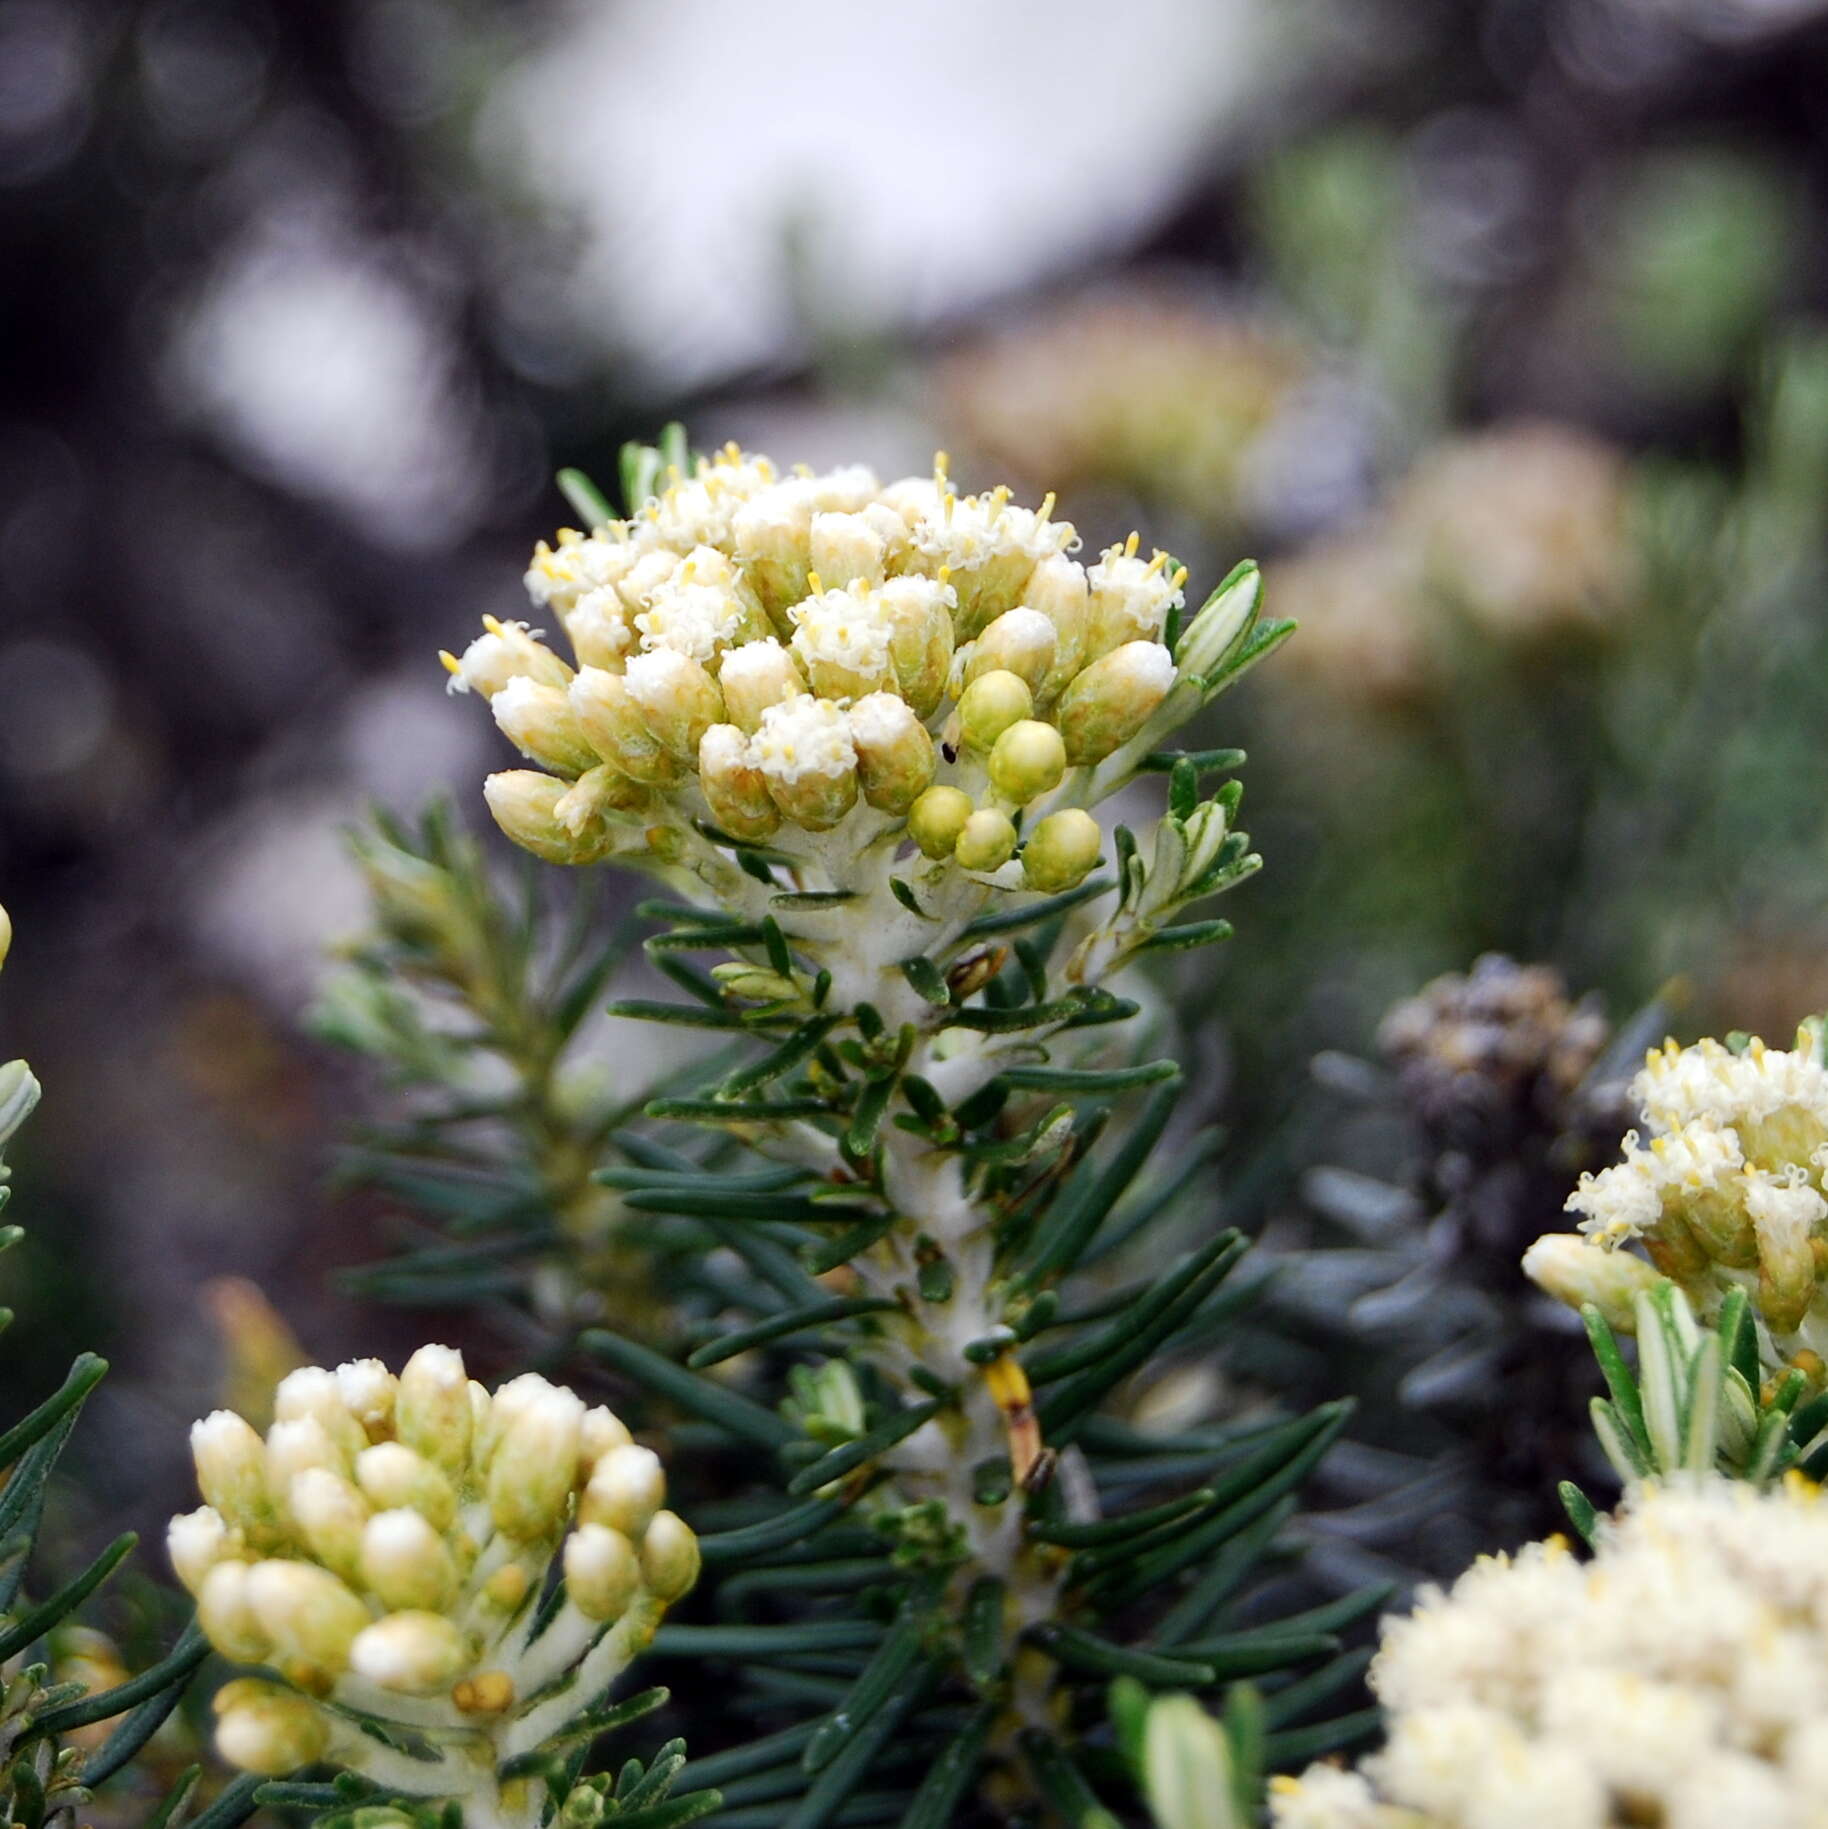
1729,1184
382,1553
1679,1679
756,651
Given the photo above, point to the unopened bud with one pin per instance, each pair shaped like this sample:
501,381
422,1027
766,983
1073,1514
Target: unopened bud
1061,850
678,699
412,1654
1575,1271
1187,1767
614,725
309,1614
293,1445
1027,760
196,1541
267,1730
406,1564
990,704
18,1095
771,532
937,818
846,546
670,1557
231,1468
754,981
392,1476
918,614
226,1613
432,1413
539,722
805,753
1021,641
6,933
988,841
602,1571
602,1430
506,652
735,790
1057,588
367,1388
755,676
627,1486
331,1516
531,1473
1112,699
525,804
894,752
598,628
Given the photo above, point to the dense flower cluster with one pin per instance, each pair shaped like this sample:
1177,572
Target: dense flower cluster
382,1553
771,654
1728,1185
1680,1678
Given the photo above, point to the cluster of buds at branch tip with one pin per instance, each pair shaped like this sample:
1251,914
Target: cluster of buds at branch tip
381,1554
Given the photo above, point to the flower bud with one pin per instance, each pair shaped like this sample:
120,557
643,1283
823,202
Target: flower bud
267,1730
525,805
6,933
894,752
598,628
231,1468
918,615
937,818
805,753
1020,641
432,1413
757,982
601,1430
308,1614
1568,1267
1221,620
392,1476
539,722
18,1095
406,1564
506,652
771,533
1112,699
734,789
627,1486
1027,760
225,1612
1187,1767
331,1516
584,807
614,725
293,1445
755,676
602,1571
678,699
531,1472
990,704
412,1654
988,841
846,546
196,1541
1057,588
311,1391
367,1389
670,1558
1061,850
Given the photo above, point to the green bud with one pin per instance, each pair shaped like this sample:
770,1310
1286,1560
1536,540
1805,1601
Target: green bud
734,789
1111,700
988,841
1061,850
602,1571
1027,760
937,818
678,699
990,704
1021,641
754,981
894,752
412,1653
539,722
433,1413
526,807
613,723
267,1730
670,1557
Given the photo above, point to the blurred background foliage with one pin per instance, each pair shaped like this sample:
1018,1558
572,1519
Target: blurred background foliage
1499,331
